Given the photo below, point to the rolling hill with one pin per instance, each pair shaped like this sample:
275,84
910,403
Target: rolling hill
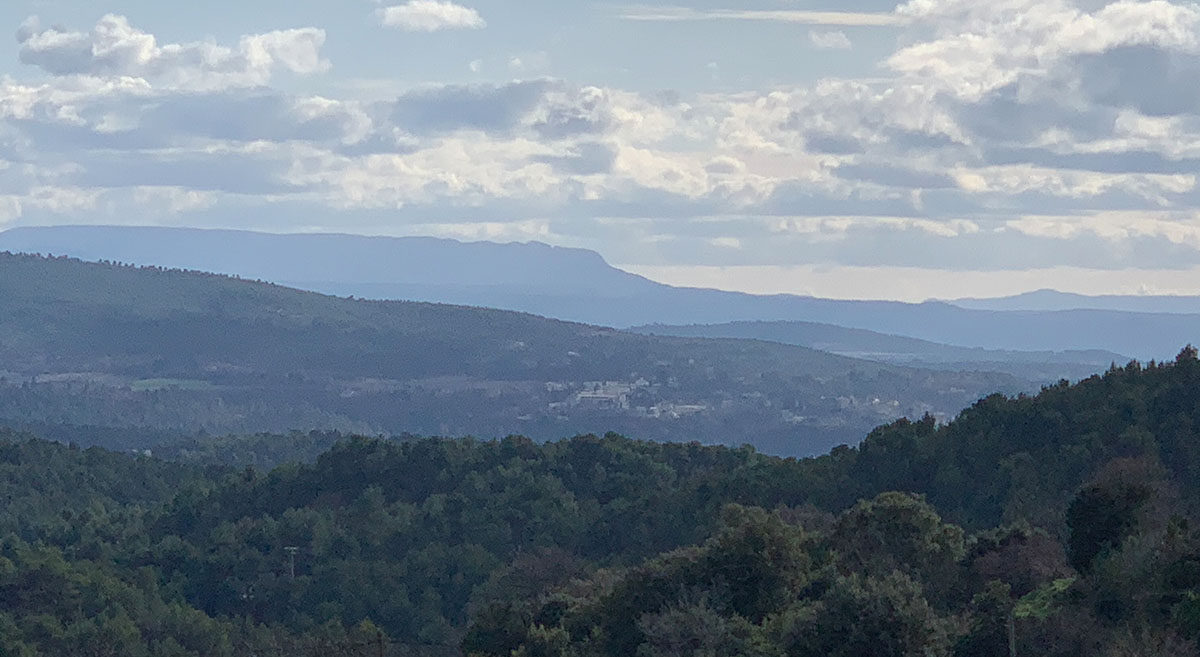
110,345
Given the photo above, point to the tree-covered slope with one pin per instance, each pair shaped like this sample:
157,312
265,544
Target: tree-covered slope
1106,471
107,345
1067,515
1005,459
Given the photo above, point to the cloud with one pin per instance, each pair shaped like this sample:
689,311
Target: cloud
896,176
1071,135
1154,80
114,48
491,108
249,171
844,18
174,200
431,16
981,47
529,62
829,40
585,159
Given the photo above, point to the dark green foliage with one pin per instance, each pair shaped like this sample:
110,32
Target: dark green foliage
602,546
409,534
1025,458
898,532
991,623
1107,511
871,617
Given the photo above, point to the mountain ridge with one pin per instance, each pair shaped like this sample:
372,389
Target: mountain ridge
1047,366
1050,299
578,285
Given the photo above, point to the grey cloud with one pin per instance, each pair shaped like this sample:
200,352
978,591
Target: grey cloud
550,109
1006,116
56,50
911,140
724,166
1134,161
496,109
581,116
588,159
41,137
179,119
1117,199
1157,82
378,142
833,144
801,200
240,116
954,203
228,172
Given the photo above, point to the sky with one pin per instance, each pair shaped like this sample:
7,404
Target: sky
853,149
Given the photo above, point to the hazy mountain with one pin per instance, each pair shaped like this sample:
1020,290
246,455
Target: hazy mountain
107,345
858,343
1055,300
413,268
578,285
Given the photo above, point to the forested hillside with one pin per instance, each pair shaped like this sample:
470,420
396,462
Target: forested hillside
1058,524
1042,366
104,345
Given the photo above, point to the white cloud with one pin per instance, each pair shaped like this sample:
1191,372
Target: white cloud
115,49
174,200
431,16
982,46
530,62
10,209
829,40
988,142
726,242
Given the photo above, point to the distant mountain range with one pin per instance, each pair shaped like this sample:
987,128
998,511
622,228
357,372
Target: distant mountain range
107,345
578,285
1043,300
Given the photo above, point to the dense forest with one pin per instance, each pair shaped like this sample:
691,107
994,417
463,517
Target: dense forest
1056,524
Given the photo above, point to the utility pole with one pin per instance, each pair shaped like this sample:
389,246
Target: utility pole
292,559
379,642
